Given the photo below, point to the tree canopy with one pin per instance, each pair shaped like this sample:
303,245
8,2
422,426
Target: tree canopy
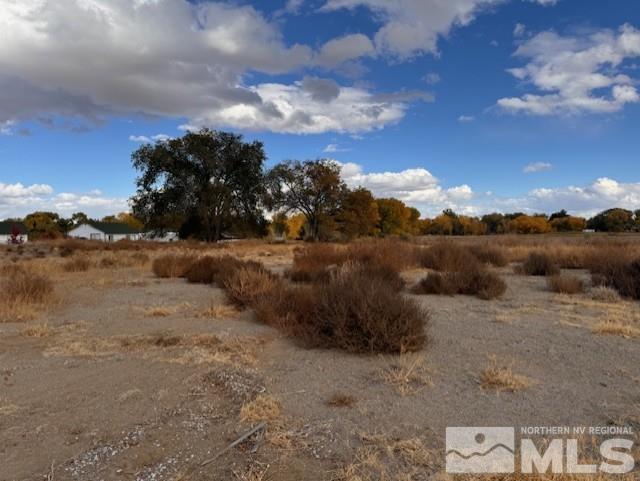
203,184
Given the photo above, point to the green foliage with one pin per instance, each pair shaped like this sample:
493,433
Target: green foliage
358,215
613,220
205,183
44,225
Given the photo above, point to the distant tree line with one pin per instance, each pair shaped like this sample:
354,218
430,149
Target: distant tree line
211,185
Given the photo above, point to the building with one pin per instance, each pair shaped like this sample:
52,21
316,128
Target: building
13,230
105,231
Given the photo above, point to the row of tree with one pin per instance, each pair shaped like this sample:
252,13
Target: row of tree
209,185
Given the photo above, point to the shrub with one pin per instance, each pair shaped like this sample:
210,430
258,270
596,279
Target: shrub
77,264
447,256
359,313
565,284
623,276
490,255
172,265
472,282
249,285
604,294
539,264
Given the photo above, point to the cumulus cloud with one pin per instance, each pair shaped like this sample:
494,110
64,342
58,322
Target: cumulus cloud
18,200
416,187
149,140
465,119
519,30
575,74
413,27
537,167
170,59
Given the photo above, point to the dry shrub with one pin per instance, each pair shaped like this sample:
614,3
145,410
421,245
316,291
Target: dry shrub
539,264
472,282
172,265
217,270
77,264
604,294
447,256
490,255
249,285
315,262
617,273
37,330
565,284
341,400
408,374
26,287
360,313
499,376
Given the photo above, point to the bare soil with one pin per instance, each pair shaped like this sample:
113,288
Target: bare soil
138,378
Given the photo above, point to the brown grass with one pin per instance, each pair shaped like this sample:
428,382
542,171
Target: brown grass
341,400
490,255
23,294
448,256
219,311
565,284
615,270
37,330
616,327
77,264
250,285
499,376
172,265
263,408
408,374
605,294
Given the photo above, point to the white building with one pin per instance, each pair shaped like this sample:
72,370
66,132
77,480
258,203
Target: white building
105,231
13,232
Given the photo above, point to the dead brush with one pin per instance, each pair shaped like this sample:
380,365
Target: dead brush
447,256
77,264
538,264
499,376
619,274
472,282
565,284
341,400
23,294
172,265
488,254
359,313
263,408
249,285
617,327
37,331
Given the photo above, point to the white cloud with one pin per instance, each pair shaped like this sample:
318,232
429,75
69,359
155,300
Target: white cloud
432,78
171,59
416,187
519,30
343,49
413,27
537,167
333,148
148,140
465,119
17,200
545,3
576,74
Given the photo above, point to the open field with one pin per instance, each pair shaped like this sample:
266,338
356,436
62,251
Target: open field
144,361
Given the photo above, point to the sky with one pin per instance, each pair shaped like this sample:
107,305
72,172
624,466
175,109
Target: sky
474,105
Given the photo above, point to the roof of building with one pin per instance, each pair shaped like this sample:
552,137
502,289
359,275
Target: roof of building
6,227
114,228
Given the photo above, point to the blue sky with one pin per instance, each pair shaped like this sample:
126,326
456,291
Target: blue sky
476,105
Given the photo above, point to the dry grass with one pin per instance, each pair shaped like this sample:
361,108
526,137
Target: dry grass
7,408
615,327
77,264
381,457
37,330
219,311
172,265
565,284
448,256
263,408
162,310
605,294
499,376
408,374
341,400
24,294
249,285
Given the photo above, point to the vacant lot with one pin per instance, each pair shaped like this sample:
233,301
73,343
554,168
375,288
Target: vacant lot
146,362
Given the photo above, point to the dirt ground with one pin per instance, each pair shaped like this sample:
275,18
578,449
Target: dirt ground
130,377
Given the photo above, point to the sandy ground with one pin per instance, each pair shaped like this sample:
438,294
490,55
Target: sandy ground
137,378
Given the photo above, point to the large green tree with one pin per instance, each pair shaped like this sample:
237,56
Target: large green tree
205,183
313,187
358,215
